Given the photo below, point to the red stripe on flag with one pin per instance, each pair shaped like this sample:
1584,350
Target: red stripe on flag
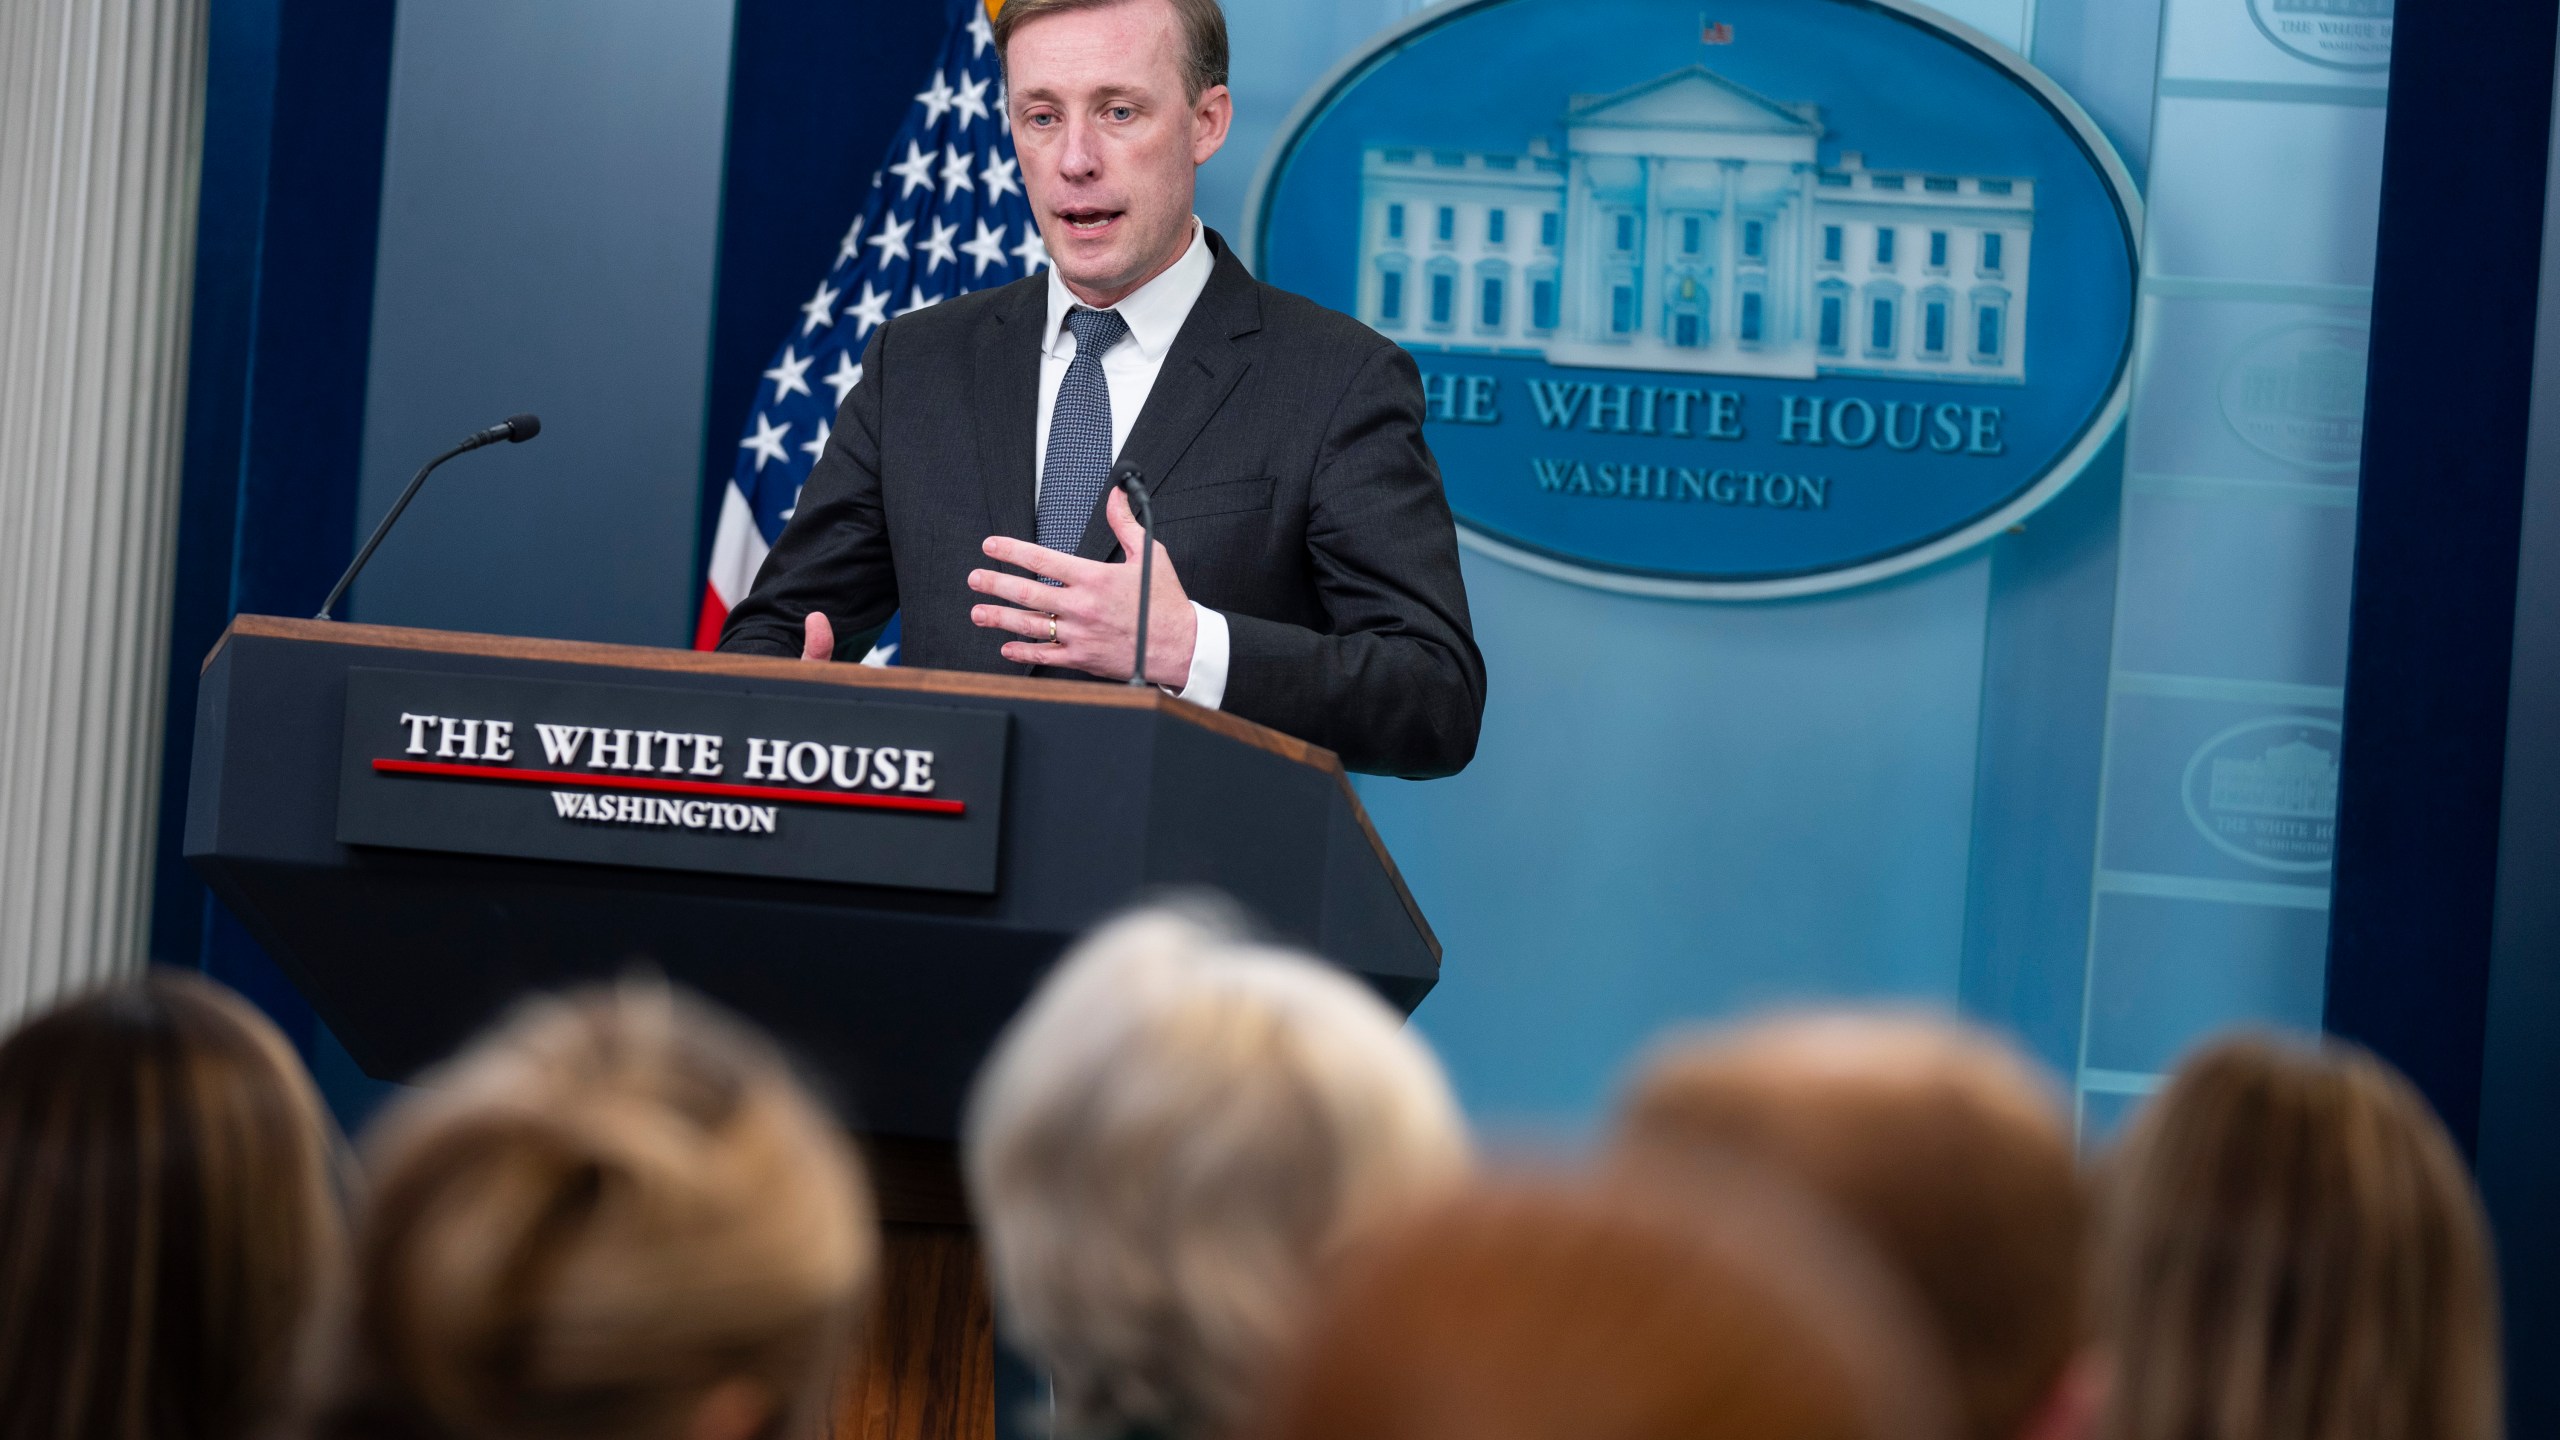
669,787
706,633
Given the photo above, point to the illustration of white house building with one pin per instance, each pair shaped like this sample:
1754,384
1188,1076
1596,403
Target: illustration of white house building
1690,225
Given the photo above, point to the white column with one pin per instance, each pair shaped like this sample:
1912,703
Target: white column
101,121
1725,299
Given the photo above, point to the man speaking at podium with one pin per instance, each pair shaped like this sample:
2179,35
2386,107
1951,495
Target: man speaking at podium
1306,567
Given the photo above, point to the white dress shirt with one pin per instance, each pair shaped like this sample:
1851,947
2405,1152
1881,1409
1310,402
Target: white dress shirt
1154,312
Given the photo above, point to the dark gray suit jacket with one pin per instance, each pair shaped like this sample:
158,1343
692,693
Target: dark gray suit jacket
1282,446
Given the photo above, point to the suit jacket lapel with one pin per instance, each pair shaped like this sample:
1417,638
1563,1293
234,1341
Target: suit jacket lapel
1199,372
1008,380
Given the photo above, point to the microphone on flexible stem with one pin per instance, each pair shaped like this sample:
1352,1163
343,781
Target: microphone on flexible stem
515,430
1127,478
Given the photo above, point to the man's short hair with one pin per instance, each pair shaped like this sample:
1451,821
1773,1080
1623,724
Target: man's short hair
1204,33
1167,1144
1945,1145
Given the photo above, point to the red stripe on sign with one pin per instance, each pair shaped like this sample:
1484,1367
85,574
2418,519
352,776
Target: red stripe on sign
670,787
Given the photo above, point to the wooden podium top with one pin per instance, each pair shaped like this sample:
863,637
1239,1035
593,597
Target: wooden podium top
767,667
892,679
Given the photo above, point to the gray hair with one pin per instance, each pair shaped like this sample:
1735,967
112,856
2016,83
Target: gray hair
1167,1143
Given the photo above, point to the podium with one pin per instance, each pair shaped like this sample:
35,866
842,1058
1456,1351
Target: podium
877,865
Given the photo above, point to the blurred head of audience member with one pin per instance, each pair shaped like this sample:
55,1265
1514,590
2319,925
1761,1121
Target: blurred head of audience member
169,1217
1168,1142
1532,1312
2291,1249
1948,1150
617,1215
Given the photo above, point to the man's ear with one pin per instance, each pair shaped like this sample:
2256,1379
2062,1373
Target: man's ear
2070,1409
1211,114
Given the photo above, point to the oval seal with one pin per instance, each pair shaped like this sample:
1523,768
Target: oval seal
2266,791
2340,34
1789,297
2296,394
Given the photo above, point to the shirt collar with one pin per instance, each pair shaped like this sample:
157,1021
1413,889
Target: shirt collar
1155,311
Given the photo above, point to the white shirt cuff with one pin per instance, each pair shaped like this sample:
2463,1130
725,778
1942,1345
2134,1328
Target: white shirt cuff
1207,687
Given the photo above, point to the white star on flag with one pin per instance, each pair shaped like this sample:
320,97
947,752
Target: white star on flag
955,171
971,102
852,245
790,377
821,308
766,442
892,240
981,34
872,309
986,247
844,377
818,446
937,246
916,170
1031,252
998,177
918,300
935,99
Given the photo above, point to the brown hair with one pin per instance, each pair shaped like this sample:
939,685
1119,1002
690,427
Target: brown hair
615,1203
1942,1144
2291,1249
1534,1312
1204,34
168,1216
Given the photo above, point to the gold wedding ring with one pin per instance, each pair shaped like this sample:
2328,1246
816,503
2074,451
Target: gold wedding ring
1053,630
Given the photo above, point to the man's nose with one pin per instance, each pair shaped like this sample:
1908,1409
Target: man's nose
1080,158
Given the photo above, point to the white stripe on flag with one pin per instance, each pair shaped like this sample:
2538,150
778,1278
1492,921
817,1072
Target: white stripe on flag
737,549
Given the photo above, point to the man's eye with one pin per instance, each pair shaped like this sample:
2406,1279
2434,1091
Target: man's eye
1041,121
1120,112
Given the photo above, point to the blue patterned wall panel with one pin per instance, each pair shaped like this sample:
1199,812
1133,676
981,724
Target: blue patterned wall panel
2219,793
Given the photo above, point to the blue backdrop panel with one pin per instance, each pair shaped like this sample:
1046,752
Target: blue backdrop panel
605,214
2219,787
549,218
1685,811
1670,874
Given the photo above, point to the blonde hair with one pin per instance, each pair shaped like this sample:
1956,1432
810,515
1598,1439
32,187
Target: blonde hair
169,1217
1166,1144
612,1204
2291,1249
1942,1143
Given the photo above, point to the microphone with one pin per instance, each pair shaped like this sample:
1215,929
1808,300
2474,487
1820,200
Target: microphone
1127,478
515,430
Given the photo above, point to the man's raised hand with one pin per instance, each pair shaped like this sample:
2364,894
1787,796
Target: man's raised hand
1089,620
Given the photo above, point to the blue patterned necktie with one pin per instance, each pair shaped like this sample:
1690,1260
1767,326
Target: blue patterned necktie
1078,465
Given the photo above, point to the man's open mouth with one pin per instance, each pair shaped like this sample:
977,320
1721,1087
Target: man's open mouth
1088,221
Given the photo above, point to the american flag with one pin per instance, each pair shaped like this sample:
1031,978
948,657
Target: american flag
945,215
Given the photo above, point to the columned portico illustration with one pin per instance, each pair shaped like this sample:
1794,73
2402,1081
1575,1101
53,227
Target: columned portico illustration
1690,224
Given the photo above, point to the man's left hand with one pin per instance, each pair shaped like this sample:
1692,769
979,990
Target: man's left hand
1095,605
